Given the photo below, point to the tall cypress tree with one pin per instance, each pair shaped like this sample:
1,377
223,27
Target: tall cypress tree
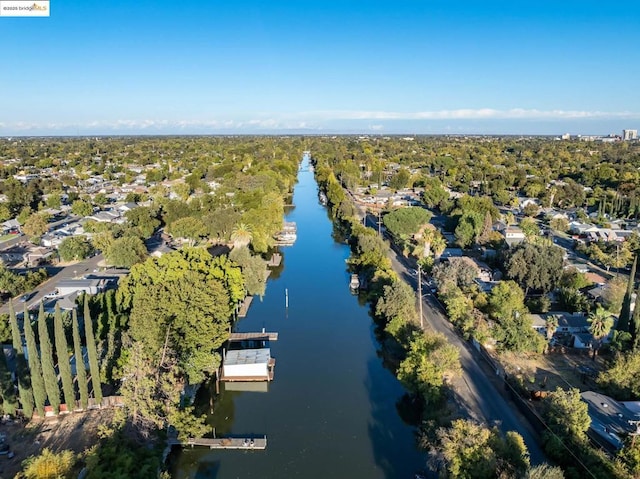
22,369
635,322
81,373
92,352
62,352
625,312
46,358
39,392
7,388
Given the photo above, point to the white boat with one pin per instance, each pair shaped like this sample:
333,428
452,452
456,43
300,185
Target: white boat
354,284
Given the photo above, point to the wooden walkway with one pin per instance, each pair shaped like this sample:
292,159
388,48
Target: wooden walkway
259,443
259,336
244,307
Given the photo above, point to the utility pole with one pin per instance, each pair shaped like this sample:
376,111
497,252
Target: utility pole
420,295
379,224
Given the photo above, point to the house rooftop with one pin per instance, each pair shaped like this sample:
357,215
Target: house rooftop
610,419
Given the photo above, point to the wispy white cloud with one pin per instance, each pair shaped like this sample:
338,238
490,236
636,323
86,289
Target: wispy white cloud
468,114
311,121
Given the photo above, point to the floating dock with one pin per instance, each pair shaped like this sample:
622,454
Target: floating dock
259,443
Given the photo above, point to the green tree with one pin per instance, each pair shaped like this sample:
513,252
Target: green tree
405,222
50,465
400,179
254,270
535,266
567,414
92,352
143,219
472,451
530,228
513,328
191,313
397,300
430,362
74,248
634,327
7,388
600,324
434,193
81,208
544,471
5,212
54,200
22,369
507,300
241,235
36,225
613,294
39,392
81,373
46,358
559,224
190,228
622,379
126,251
62,353
458,271
100,199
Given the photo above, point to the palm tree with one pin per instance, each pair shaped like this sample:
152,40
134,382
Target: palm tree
601,323
241,235
552,325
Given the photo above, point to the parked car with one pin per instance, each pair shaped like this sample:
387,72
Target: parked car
51,295
26,297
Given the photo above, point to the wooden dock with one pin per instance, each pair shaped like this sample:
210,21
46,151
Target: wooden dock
259,336
244,307
247,443
275,260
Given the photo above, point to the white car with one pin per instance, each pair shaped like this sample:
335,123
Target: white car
51,295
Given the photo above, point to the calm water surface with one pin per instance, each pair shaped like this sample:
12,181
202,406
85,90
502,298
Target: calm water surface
332,410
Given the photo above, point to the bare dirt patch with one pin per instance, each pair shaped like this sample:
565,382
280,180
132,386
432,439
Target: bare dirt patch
549,371
76,432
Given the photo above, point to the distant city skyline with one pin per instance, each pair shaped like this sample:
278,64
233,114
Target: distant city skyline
332,67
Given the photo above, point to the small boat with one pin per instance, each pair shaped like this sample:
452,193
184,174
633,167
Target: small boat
323,198
354,284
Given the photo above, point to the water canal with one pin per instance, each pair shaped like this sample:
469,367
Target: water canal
332,410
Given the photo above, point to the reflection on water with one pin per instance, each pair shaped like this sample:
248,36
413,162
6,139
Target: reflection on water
333,409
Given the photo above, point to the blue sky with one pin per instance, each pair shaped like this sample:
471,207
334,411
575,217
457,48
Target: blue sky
419,66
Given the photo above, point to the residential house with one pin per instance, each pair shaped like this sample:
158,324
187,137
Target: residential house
611,421
567,322
11,226
89,286
127,207
107,216
513,235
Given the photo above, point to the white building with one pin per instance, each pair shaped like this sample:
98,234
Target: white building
629,135
248,365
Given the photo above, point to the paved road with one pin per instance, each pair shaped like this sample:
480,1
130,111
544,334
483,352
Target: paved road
478,393
68,272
